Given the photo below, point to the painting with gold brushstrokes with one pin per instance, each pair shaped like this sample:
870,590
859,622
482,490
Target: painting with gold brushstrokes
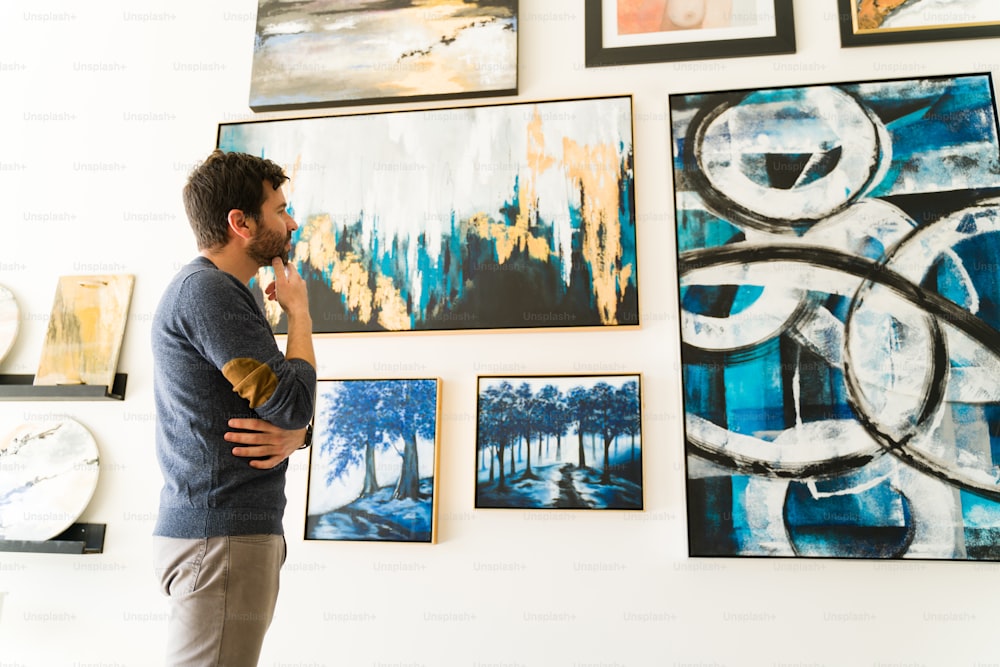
493,217
86,330
869,22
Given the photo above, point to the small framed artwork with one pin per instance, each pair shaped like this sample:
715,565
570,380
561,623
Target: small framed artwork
373,463
871,22
504,216
86,330
630,32
837,248
559,442
330,53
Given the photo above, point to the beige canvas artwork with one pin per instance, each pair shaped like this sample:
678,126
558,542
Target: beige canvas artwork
86,330
9,321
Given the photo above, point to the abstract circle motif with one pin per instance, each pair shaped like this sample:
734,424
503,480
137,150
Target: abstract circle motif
755,166
48,474
834,526
783,299
9,321
907,431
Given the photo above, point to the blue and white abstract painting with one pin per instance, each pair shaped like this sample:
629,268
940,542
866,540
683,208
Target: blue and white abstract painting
838,254
491,217
374,461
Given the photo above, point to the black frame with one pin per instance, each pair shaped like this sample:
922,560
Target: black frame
322,103
598,56
849,36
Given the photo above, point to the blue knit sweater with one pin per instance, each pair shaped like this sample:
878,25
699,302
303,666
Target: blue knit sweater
214,358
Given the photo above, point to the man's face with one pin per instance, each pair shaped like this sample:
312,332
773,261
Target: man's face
274,226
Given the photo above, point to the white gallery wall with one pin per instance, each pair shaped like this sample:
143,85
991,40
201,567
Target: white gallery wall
105,108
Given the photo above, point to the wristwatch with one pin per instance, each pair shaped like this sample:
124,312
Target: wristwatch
309,436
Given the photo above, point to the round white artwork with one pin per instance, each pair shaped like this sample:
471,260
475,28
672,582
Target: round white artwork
48,474
9,319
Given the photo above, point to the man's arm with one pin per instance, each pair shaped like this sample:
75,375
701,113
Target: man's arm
264,443
269,445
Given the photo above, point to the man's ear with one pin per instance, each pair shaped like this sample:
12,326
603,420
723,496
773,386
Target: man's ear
239,224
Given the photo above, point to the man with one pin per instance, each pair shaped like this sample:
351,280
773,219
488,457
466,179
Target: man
219,380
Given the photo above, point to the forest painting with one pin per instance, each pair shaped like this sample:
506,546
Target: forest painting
494,217
559,442
840,319
373,466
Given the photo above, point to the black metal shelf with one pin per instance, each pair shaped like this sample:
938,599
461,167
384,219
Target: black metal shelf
21,388
80,538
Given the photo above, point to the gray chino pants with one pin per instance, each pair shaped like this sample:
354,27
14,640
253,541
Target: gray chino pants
222,593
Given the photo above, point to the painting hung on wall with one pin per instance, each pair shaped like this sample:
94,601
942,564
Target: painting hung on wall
628,32
10,319
330,53
559,442
840,319
866,22
493,217
373,465
86,330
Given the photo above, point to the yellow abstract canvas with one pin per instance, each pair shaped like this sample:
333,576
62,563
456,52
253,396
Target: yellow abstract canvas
86,329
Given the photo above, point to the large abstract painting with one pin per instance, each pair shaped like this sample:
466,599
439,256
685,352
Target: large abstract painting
372,473
838,253
86,330
491,217
559,442
330,52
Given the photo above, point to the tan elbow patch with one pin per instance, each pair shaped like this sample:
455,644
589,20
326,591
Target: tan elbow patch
251,379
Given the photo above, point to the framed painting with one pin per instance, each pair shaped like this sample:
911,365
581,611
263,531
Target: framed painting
630,32
493,217
870,22
331,53
373,464
559,442
840,318
86,330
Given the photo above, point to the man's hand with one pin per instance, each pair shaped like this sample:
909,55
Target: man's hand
288,289
268,445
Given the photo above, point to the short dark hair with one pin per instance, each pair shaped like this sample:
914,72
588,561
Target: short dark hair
223,182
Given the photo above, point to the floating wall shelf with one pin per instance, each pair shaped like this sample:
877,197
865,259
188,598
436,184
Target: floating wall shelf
80,538
21,388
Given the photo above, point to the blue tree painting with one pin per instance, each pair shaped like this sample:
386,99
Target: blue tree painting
373,465
494,217
563,442
838,248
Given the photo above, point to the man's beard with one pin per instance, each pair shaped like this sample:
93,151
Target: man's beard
267,245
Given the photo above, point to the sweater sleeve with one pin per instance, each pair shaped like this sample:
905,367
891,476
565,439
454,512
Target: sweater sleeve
225,323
